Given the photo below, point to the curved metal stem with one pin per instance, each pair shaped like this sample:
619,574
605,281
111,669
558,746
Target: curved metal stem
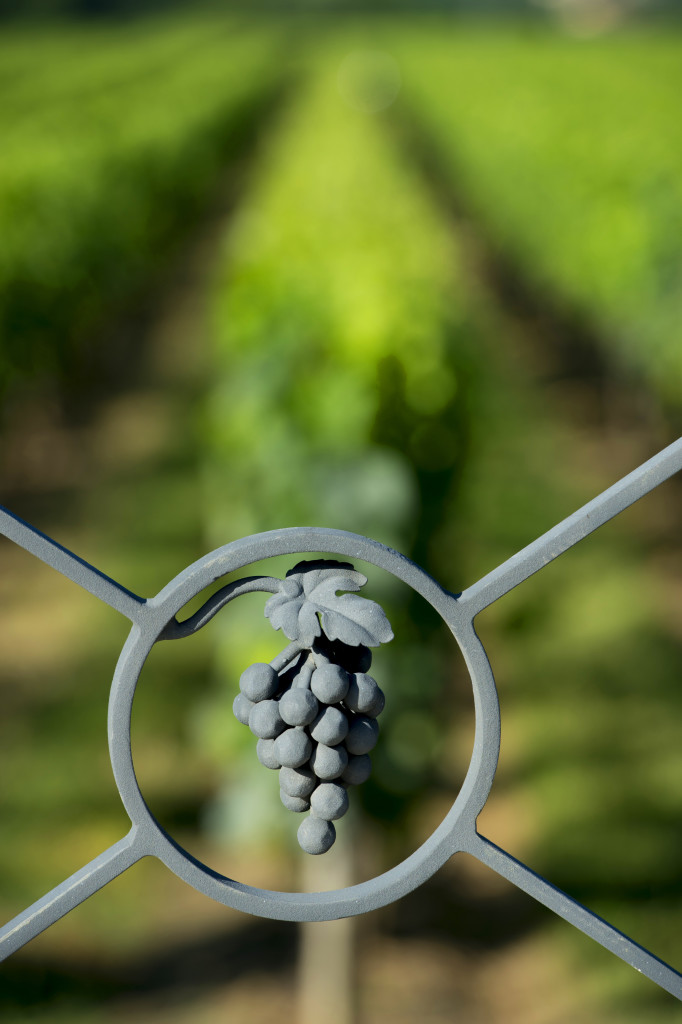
305,674
249,585
285,657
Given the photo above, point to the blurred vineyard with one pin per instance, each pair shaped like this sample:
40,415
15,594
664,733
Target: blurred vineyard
414,278
586,209
99,122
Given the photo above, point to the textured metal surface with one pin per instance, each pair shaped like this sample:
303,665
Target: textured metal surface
314,707
155,619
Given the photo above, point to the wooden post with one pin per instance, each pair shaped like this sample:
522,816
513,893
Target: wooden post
327,988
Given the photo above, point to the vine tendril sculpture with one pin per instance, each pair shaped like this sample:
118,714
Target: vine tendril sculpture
317,691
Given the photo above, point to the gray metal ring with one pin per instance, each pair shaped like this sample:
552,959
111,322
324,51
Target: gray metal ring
455,831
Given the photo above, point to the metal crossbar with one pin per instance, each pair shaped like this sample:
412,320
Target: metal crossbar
155,619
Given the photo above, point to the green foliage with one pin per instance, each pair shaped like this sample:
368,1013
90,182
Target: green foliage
335,267
111,140
567,151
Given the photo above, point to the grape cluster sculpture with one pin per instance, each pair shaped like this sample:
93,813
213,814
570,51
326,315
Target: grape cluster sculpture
314,708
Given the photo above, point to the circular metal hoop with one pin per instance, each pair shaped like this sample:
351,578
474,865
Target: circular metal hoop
449,837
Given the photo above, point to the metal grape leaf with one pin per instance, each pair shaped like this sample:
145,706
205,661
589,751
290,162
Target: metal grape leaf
308,604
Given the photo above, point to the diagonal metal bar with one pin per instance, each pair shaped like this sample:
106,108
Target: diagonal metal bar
576,914
70,565
573,529
70,893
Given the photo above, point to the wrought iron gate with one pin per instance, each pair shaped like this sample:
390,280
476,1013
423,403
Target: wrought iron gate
154,619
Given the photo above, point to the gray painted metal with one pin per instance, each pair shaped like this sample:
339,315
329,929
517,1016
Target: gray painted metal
156,619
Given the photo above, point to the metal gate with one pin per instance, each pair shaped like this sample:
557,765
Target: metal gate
154,620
